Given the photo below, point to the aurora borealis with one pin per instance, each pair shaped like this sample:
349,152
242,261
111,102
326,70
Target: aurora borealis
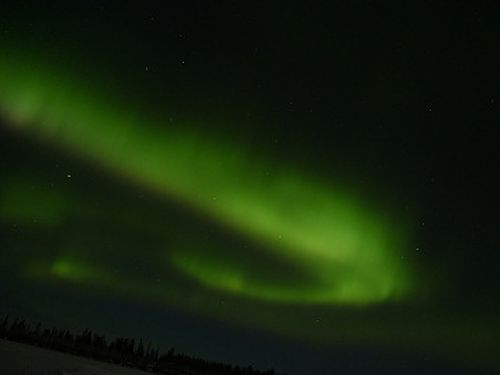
347,249
235,192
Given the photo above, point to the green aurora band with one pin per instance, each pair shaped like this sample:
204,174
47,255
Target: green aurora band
346,249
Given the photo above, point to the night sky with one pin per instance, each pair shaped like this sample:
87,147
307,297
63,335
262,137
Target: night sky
291,185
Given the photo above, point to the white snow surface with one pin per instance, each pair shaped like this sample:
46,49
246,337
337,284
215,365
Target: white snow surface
22,359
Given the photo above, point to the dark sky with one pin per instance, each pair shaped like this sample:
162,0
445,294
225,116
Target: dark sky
310,187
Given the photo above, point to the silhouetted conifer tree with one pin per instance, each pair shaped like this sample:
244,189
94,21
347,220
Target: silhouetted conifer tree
140,349
3,327
121,350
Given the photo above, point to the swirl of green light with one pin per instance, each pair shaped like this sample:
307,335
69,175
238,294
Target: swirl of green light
347,252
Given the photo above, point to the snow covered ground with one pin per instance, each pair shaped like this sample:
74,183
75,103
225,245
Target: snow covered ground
21,359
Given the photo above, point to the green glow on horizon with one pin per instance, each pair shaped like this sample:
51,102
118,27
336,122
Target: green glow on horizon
67,270
23,204
350,248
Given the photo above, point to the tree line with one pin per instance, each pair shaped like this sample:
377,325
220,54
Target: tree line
121,350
